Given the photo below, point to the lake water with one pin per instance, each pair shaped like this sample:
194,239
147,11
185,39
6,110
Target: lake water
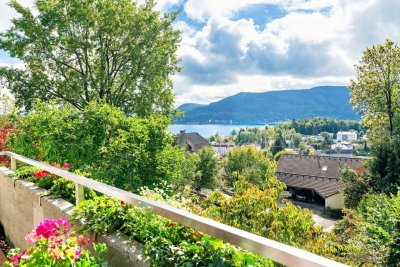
206,130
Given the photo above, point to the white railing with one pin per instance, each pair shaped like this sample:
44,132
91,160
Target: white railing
271,249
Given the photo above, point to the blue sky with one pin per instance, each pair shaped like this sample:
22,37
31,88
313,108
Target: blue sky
230,46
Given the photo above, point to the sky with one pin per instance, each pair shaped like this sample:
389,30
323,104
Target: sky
231,46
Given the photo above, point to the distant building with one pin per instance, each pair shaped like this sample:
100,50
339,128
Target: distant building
304,138
346,136
342,149
192,141
221,148
315,178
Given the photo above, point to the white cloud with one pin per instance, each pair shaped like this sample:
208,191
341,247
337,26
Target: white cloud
317,42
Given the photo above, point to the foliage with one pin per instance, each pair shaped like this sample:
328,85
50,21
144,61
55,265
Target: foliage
255,135
279,143
257,211
250,163
53,246
374,91
127,152
384,172
117,51
371,231
167,243
317,125
283,152
206,169
356,185
6,128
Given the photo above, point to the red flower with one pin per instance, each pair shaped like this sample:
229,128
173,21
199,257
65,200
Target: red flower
66,166
123,203
41,174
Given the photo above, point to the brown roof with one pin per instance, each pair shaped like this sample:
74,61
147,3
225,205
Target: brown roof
320,173
193,141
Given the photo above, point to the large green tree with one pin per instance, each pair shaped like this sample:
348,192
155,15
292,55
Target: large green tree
374,91
206,169
77,51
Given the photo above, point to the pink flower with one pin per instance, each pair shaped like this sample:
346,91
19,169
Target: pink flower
49,228
77,255
66,166
15,259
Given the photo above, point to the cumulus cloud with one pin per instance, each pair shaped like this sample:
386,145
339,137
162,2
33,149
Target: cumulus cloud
309,43
314,43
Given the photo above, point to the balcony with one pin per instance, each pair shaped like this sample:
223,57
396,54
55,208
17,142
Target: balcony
278,252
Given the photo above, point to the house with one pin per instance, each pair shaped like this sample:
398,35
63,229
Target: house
192,141
315,178
342,149
305,138
221,148
346,136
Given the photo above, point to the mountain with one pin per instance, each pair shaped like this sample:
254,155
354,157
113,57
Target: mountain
274,106
189,106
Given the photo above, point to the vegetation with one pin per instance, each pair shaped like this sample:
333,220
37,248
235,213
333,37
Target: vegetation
206,169
117,51
374,91
167,243
250,163
317,125
127,152
54,245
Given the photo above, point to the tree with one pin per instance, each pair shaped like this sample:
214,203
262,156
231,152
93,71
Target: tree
279,143
125,151
374,91
355,185
206,170
250,163
76,51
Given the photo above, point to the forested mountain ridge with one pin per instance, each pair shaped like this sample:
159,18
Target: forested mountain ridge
274,106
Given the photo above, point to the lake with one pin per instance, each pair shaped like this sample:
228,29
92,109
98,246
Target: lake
206,130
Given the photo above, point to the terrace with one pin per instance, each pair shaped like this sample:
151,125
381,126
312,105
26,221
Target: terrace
278,252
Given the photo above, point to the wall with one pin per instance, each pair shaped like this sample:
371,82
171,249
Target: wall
335,202
23,205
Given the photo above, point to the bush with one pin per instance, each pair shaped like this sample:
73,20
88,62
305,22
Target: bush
127,152
167,243
249,163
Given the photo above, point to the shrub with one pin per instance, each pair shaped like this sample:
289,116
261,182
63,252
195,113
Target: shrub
250,163
167,243
127,152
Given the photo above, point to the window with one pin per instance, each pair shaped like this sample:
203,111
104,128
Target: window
324,168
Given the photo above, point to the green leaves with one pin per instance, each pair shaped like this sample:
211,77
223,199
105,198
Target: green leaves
127,152
77,51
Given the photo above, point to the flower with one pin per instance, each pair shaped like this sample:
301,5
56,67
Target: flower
15,259
122,203
48,228
41,174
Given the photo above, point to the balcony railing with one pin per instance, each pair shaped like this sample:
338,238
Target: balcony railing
278,252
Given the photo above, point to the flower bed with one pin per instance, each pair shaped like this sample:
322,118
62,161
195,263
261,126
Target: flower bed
55,245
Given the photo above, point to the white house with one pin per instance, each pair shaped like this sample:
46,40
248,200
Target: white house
346,136
221,148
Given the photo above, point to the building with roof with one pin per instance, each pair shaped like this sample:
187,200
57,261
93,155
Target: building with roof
315,178
192,141
346,136
221,149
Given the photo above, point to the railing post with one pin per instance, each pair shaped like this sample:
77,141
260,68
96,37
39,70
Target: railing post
79,195
13,164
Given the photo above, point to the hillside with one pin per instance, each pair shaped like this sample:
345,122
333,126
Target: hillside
254,108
